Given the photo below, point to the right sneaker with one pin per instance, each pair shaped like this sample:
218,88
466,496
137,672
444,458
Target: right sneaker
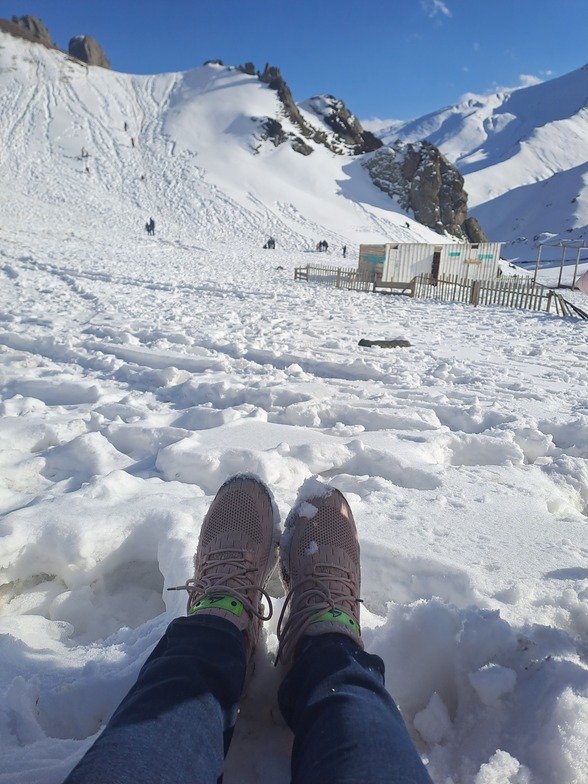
320,569
237,552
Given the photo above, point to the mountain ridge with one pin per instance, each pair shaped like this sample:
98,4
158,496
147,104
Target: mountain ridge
186,146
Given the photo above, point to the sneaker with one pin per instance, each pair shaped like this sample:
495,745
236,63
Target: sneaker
237,552
321,572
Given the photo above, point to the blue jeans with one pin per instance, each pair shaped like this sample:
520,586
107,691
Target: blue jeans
175,724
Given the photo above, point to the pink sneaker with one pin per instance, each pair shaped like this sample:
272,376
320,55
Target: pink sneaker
321,572
237,552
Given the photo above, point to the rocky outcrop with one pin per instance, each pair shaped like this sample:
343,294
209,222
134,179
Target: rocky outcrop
474,231
35,28
346,127
347,137
425,183
88,50
82,47
275,81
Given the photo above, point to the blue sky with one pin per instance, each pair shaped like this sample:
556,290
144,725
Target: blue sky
395,59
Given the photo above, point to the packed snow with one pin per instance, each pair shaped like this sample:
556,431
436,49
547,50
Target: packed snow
137,373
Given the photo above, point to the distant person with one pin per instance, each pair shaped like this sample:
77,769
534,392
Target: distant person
177,721
132,141
126,126
344,251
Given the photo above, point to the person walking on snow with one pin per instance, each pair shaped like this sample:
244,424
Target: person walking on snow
177,721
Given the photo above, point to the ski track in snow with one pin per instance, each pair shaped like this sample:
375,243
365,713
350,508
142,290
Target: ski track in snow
137,373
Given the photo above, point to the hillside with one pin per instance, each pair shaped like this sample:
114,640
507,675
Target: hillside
201,158
524,156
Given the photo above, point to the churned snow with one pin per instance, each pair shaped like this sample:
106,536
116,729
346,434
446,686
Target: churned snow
138,372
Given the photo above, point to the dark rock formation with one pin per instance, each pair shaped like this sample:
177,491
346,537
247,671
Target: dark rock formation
424,182
275,81
473,230
348,134
88,50
299,145
273,131
345,125
35,28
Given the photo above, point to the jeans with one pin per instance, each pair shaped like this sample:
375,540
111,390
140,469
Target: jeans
175,724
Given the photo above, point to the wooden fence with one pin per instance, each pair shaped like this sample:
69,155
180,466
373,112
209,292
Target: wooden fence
508,292
340,277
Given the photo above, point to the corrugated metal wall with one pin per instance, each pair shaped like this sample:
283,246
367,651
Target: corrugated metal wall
404,261
473,262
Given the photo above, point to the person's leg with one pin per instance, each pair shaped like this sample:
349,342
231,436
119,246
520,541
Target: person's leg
347,727
176,722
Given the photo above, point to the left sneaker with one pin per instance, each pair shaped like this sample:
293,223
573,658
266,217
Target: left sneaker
237,552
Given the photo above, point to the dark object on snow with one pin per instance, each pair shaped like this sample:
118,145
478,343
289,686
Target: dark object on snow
384,343
150,227
271,244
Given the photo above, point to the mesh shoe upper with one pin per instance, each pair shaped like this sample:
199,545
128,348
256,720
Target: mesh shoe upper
320,567
235,557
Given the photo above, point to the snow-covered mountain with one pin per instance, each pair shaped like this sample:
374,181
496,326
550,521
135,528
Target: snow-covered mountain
524,156
196,150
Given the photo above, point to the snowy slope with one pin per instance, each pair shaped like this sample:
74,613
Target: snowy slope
137,373
199,162
524,156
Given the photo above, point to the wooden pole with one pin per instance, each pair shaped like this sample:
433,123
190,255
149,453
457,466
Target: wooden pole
539,249
576,267
561,266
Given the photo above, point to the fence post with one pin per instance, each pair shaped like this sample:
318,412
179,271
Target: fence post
475,293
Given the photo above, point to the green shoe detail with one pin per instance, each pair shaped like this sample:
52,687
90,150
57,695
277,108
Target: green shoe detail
338,616
218,602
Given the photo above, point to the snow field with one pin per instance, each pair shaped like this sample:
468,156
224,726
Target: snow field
127,402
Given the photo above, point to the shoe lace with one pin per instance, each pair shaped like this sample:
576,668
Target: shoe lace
329,587
232,579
